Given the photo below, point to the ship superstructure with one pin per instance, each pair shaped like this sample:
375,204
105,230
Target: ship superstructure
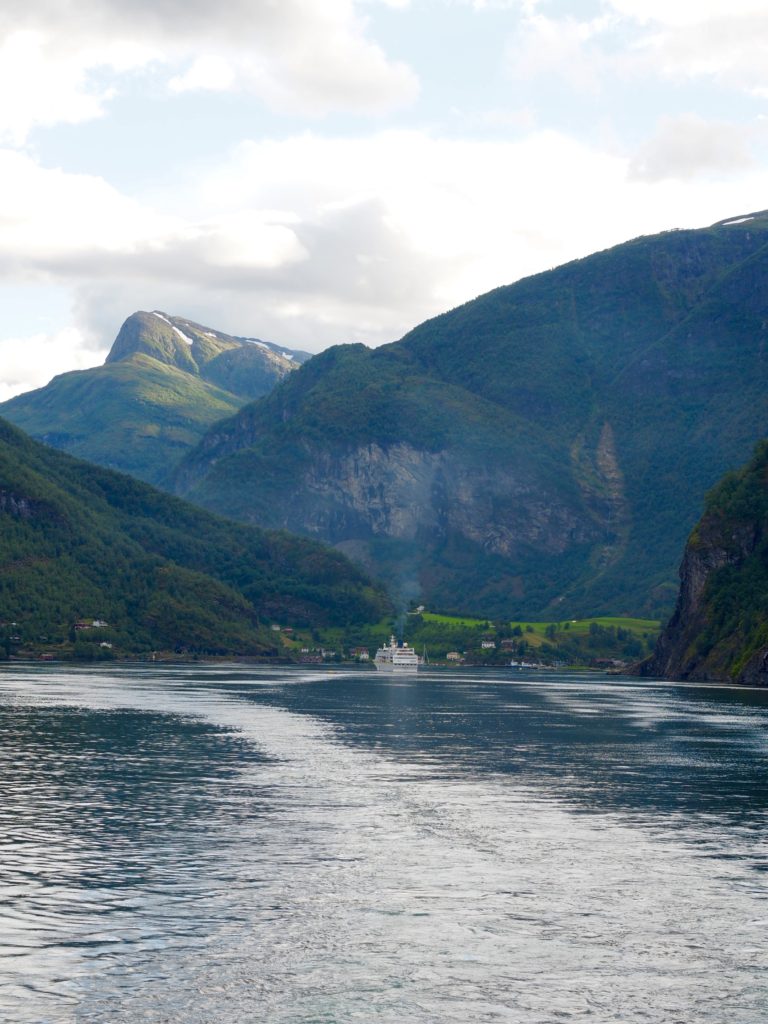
396,657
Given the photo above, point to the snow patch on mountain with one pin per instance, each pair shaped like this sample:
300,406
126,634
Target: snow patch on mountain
184,337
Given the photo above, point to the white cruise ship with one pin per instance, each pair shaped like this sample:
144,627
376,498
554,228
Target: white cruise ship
396,658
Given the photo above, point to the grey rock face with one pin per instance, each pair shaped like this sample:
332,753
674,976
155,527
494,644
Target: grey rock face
365,496
16,505
677,655
371,490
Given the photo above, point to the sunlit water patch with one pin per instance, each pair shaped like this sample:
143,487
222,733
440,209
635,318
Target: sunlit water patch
222,845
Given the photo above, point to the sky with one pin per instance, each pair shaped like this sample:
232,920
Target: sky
320,171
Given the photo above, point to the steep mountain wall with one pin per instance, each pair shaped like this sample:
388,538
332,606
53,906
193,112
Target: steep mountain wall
719,630
542,450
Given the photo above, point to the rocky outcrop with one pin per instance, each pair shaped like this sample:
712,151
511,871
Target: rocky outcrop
677,654
372,490
16,505
719,629
246,367
20,506
438,522
401,492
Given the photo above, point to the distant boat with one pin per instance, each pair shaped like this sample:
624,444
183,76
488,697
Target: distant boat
396,658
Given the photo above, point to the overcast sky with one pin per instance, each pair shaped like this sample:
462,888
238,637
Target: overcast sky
321,171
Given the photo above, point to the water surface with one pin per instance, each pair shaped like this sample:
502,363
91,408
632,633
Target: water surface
223,844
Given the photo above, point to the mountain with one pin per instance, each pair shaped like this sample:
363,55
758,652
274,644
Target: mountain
165,381
541,451
719,629
78,542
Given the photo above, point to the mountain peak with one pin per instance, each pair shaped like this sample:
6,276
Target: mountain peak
190,346
168,339
164,382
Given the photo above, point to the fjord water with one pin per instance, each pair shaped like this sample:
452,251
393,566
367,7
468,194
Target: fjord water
228,844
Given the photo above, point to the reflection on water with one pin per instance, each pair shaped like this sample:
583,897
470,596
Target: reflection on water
226,844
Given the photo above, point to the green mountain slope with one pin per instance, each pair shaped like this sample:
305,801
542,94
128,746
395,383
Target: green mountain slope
719,629
540,451
165,381
81,542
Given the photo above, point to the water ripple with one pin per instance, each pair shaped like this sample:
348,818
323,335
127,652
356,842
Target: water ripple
224,845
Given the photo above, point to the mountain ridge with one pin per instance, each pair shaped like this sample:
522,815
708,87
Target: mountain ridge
539,431
165,380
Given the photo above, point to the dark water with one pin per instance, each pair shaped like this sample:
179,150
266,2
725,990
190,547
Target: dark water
234,845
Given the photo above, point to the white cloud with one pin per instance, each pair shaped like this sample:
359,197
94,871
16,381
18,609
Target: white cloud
688,146
49,218
682,41
314,240
558,47
684,13
300,56
730,50
484,212
210,73
37,88
307,56
30,362
689,39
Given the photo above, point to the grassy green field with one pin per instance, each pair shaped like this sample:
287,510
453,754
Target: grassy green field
572,639
451,620
579,643
576,627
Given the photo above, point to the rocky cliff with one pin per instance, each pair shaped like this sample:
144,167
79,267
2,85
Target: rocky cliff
719,629
424,492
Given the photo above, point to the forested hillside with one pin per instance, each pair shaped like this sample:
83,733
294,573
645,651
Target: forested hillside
81,543
540,451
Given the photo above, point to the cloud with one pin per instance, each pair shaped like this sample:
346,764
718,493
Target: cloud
564,48
49,219
729,49
683,41
684,13
689,146
40,89
210,73
312,240
715,39
299,56
31,361
339,274
302,56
